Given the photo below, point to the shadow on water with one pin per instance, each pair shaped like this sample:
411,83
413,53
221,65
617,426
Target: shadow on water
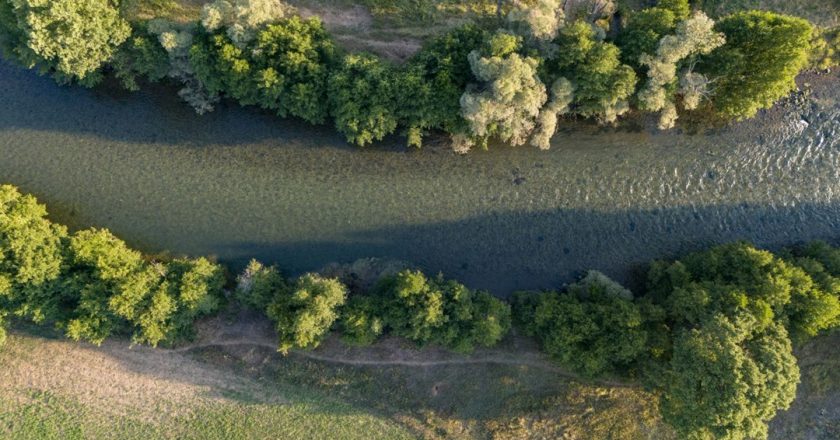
511,251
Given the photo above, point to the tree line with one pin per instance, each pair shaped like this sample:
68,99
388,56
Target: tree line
509,79
712,334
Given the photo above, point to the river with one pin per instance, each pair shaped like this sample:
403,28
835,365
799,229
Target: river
238,183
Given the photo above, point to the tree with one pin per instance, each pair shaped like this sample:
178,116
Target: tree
642,34
602,84
507,101
729,366
815,301
362,99
430,86
31,257
141,56
71,39
241,19
105,281
778,43
258,284
283,68
304,314
593,328
539,21
444,312
694,36
361,320
727,380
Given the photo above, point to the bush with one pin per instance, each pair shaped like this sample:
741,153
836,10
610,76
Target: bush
442,312
780,44
593,328
361,320
304,314
69,39
362,99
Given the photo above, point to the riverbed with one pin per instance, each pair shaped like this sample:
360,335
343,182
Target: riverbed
238,183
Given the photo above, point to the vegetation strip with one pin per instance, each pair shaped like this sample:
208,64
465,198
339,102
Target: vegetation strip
507,79
712,335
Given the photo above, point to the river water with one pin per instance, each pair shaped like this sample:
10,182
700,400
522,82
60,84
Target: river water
238,184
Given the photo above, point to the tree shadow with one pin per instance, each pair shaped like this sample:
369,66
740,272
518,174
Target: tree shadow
505,252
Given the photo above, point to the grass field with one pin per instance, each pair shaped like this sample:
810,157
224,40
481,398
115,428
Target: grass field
58,389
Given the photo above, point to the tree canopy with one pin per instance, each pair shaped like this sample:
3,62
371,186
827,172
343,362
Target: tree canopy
70,39
305,313
780,44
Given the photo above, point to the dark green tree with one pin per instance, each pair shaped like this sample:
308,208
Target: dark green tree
430,86
602,84
780,44
362,98
284,69
593,328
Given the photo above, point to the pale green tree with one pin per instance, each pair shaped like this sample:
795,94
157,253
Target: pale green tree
241,19
539,21
694,36
507,102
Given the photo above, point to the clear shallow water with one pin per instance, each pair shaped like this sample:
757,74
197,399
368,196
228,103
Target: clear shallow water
239,184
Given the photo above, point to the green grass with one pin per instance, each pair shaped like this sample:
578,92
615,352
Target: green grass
266,395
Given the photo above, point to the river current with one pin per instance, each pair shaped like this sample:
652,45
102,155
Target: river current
239,183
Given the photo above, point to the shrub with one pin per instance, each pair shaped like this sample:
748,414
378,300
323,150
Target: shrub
304,314
442,312
361,320
593,328
362,99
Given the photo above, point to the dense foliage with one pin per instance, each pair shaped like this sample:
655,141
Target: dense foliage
283,68
304,313
594,327
544,60
443,312
710,334
70,39
91,285
778,43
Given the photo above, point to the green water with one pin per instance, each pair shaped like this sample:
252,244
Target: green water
239,184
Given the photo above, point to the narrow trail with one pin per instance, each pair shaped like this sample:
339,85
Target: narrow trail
409,363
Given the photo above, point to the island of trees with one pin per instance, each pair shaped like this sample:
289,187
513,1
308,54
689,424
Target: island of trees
712,334
509,79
